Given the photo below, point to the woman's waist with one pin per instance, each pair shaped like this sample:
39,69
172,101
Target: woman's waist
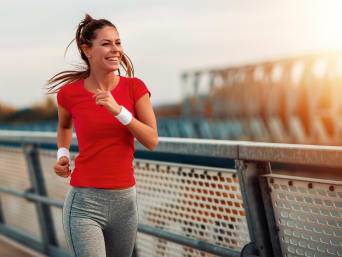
108,156
102,194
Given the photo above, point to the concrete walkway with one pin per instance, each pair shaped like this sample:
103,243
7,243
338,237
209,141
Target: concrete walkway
10,248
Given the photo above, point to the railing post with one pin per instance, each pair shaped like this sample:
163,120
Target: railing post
248,174
2,220
37,183
272,225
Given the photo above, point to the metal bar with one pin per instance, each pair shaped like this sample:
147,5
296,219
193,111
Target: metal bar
327,156
37,182
203,147
239,168
229,170
271,221
248,173
32,196
2,219
30,137
21,237
271,152
31,242
214,148
194,243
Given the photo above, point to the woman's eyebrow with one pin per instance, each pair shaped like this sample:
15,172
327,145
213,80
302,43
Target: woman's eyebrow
110,40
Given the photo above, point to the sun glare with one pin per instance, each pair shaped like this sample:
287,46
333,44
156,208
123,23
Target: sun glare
327,23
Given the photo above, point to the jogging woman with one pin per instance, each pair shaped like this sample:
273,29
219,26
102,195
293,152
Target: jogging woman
108,111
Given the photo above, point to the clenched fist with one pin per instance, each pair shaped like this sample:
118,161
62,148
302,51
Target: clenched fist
105,98
62,167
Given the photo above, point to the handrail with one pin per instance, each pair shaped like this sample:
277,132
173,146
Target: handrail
244,150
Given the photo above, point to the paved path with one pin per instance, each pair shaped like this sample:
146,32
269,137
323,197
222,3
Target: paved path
10,248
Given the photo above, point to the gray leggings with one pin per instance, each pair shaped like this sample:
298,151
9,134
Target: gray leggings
99,222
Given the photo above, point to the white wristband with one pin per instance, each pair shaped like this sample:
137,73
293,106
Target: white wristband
62,151
124,116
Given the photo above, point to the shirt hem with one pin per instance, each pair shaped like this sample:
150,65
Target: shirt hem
98,185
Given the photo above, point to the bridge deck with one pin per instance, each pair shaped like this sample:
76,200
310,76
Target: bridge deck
10,248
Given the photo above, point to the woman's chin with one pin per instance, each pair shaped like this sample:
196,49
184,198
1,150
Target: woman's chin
111,68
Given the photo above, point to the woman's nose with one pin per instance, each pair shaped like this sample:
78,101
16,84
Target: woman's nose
115,47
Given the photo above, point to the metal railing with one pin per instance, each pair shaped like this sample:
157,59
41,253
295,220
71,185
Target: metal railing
195,197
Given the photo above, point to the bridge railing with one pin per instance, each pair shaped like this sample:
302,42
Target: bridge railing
195,197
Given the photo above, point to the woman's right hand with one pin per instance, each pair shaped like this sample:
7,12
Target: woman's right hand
61,167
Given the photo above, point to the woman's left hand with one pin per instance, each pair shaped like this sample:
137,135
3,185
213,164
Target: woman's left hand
106,99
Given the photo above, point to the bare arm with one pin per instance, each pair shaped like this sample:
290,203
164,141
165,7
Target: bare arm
64,132
144,126
64,137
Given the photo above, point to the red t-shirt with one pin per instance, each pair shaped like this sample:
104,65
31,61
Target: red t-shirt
106,147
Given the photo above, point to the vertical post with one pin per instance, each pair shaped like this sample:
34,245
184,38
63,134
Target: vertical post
248,174
2,220
38,185
272,225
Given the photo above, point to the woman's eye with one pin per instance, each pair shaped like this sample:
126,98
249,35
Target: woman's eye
118,43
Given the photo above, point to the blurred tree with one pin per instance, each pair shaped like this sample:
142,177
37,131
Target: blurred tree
46,110
5,111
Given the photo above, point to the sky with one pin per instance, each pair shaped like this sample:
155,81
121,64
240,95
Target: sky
162,38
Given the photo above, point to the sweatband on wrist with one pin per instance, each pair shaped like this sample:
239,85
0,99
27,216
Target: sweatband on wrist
124,116
62,151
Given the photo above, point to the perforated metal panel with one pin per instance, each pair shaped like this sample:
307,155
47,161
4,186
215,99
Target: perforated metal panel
198,202
309,215
14,174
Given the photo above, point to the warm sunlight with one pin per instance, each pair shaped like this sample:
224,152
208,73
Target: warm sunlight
326,22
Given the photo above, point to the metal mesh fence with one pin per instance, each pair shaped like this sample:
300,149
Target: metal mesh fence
14,174
198,202
309,215
56,188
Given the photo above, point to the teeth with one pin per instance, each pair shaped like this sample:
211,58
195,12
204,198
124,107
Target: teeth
113,59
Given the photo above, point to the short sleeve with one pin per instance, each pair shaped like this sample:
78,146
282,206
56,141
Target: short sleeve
139,89
61,99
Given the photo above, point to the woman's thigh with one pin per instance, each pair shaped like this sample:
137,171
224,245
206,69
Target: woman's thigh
120,233
83,233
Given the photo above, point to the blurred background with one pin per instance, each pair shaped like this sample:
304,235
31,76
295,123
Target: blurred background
263,70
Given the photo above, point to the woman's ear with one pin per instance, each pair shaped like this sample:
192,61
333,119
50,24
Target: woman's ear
86,50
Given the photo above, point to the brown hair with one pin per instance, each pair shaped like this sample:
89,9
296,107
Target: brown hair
85,34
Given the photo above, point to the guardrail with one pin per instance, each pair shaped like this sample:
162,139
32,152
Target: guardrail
195,197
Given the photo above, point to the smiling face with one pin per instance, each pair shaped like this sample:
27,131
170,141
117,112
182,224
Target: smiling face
106,50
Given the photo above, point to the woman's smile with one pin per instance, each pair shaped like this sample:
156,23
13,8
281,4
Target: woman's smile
113,59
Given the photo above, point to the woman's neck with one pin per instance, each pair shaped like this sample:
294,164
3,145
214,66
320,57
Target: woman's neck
103,81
